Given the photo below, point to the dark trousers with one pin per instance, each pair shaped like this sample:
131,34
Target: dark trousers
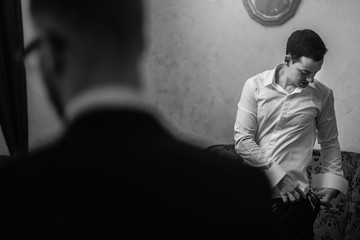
294,220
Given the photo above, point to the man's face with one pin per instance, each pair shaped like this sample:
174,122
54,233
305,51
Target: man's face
46,68
48,61
303,71
51,81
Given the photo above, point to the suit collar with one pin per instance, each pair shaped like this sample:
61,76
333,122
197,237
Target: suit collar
108,100
105,97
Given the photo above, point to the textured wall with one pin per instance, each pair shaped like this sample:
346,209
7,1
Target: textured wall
201,52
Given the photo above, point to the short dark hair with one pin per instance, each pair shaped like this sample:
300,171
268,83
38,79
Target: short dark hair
122,20
306,43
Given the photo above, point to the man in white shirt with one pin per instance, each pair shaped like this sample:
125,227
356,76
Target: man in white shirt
281,113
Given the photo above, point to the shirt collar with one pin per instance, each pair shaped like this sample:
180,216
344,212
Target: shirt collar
106,96
270,78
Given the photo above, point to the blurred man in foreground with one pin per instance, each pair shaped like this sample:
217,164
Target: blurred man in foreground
117,171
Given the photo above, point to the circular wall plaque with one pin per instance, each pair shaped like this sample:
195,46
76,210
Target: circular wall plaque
271,12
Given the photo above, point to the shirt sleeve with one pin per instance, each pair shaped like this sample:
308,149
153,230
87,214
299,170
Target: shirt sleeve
331,164
245,133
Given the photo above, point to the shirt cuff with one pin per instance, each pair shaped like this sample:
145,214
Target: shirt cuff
329,180
275,173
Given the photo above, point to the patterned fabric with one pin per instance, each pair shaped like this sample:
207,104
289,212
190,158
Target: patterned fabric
341,218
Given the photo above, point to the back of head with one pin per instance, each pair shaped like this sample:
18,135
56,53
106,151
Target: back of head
119,21
305,43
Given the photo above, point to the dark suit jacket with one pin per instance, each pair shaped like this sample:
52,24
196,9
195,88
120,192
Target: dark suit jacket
119,173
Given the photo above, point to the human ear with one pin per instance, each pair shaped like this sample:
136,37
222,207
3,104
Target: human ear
287,60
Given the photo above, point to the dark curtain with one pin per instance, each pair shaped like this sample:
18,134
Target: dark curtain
13,96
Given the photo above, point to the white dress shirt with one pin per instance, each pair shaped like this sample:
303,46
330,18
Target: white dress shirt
276,131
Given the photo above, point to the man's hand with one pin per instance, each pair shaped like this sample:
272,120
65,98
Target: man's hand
289,189
326,195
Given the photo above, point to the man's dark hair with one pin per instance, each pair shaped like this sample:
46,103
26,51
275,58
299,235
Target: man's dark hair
121,20
305,43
